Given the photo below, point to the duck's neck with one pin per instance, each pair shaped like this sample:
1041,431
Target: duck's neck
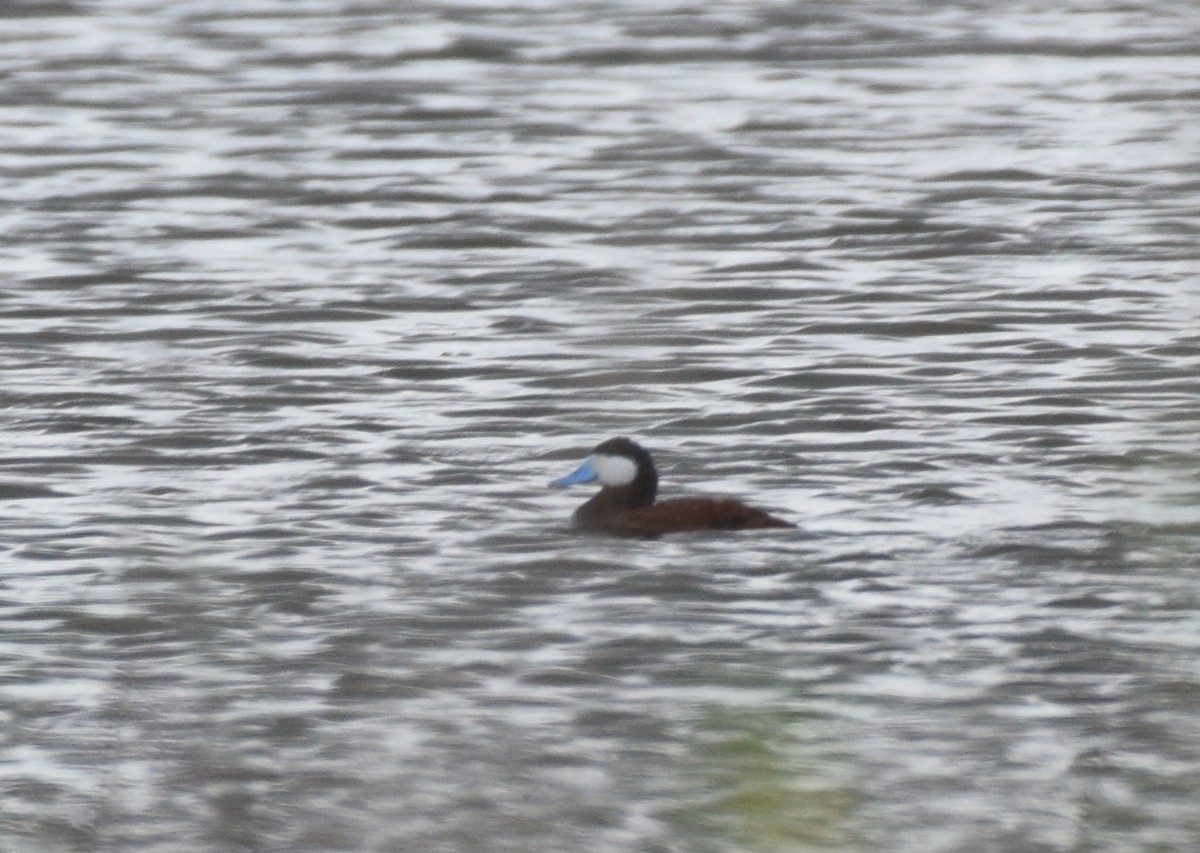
614,499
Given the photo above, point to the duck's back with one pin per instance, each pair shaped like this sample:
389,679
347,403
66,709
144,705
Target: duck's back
680,515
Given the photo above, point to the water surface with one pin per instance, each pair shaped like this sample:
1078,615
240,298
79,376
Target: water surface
306,302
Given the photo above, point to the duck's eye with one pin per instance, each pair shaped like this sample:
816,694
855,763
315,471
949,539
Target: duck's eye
614,470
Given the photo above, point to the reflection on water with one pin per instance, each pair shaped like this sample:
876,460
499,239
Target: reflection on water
307,302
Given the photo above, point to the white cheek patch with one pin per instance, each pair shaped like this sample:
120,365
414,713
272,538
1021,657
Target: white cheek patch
614,470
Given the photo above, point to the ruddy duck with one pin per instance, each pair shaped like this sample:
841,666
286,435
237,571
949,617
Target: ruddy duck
625,504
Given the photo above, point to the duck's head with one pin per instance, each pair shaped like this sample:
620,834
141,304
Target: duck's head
623,468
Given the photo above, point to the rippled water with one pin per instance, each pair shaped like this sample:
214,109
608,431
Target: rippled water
306,302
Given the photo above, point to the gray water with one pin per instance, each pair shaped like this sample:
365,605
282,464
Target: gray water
304,303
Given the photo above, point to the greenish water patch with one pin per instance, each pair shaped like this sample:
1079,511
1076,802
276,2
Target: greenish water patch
770,780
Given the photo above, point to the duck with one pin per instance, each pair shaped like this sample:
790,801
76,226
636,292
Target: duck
626,505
